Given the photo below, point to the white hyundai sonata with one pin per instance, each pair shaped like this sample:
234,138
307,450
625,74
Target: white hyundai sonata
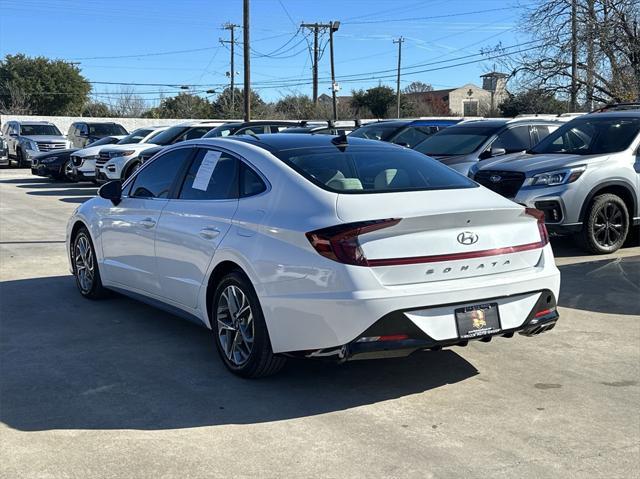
317,246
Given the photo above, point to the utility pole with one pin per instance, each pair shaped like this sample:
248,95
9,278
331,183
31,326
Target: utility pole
247,61
399,41
574,56
334,86
315,27
232,73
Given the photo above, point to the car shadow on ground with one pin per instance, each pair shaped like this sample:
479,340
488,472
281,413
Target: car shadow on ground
566,246
74,191
70,363
605,286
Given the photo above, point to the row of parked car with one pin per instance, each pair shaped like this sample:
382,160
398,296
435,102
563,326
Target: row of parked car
582,172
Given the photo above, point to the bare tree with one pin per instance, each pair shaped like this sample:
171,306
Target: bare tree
608,50
417,87
128,104
17,102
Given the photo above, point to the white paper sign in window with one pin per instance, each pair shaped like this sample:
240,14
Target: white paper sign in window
208,165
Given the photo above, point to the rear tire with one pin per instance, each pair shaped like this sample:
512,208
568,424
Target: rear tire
67,171
20,158
606,225
240,331
85,266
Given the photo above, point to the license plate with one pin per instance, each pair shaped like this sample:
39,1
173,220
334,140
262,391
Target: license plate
478,320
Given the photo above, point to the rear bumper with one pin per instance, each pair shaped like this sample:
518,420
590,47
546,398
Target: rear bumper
398,324
318,321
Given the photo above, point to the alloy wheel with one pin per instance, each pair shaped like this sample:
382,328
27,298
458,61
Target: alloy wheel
85,266
68,170
235,325
608,226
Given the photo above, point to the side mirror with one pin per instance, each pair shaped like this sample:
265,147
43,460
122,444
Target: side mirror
497,152
111,191
13,135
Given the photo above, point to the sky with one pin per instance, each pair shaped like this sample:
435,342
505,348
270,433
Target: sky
172,43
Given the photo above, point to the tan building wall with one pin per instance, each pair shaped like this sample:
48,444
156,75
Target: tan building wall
476,100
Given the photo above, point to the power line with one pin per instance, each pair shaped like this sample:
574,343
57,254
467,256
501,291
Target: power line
432,17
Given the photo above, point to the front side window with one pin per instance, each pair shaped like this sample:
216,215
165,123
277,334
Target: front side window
456,140
255,129
156,179
193,133
213,175
366,169
514,139
37,130
591,136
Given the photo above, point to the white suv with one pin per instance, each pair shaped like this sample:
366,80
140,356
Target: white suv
121,161
84,161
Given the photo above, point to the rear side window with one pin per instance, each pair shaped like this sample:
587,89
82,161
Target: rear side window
213,175
250,182
193,133
514,139
366,169
156,179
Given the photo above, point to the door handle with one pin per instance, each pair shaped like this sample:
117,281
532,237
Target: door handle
147,223
209,233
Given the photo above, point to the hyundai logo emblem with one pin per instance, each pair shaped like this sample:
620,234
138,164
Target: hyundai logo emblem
467,238
495,178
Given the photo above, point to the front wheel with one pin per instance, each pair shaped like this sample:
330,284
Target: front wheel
606,225
67,171
240,331
85,266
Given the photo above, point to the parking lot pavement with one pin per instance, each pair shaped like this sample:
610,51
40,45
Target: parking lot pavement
116,388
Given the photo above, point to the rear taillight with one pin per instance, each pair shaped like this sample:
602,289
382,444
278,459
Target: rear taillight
340,243
539,216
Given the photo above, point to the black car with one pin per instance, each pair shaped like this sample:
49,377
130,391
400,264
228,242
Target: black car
82,133
252,127
58,164
148,153
403,132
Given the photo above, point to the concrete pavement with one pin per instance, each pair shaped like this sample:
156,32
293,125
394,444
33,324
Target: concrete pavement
117,389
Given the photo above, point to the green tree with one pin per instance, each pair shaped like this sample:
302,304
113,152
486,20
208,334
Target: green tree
184,105
379,99
42,86
298,107
231,107
96,109
532,101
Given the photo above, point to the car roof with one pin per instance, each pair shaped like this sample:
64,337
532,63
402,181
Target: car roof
611,114
498,123
290,141
34,122
97,122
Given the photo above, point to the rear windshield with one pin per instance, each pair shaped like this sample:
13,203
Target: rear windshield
366,169
456,140
104,129
37,130
135,137
592,136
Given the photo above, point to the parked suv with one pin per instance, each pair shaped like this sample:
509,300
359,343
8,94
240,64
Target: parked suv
83,133
84,160
585,177
463,145
403,132
121,161
25,139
